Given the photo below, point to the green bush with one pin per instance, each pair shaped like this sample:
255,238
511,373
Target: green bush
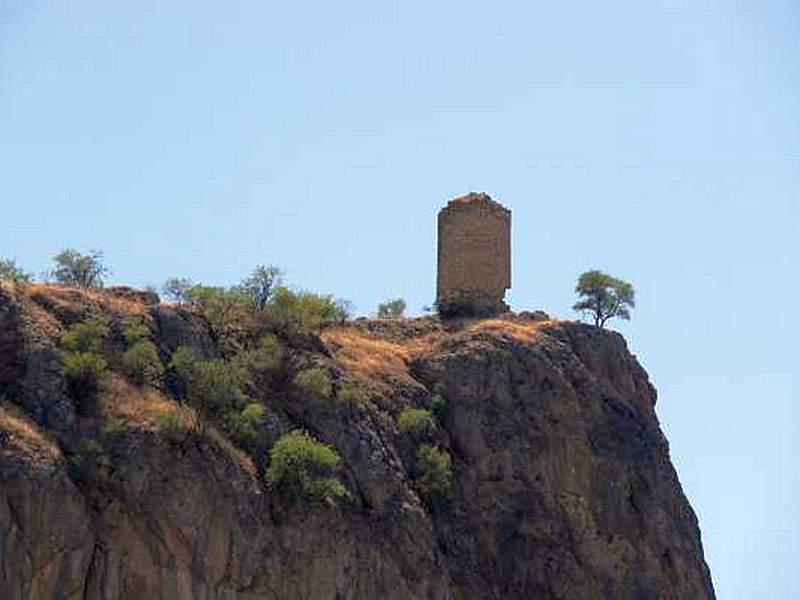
353,391
438,406
417,423
142,364
184,362
91,463
136,332
83,373
304,311
315,382
267,356
243,425
304,469
211,385
86,336
433,476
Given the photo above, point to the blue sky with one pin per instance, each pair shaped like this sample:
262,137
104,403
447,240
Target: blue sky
659,141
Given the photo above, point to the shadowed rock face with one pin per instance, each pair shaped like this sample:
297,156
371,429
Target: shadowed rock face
563,486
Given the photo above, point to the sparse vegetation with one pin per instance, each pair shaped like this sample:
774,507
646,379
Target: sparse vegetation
392,309
603,297
418,423
433,476
303,469
9,271
316,382
80,270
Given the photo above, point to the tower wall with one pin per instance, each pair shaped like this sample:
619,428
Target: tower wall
474,256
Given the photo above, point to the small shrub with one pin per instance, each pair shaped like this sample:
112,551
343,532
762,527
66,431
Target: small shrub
136,332
92,463
112,428
180,424
433,476
184,362
418,423
86,336
438,406
353,391
267,356
316,382
304,469
304,311
243,425
83,373
142,364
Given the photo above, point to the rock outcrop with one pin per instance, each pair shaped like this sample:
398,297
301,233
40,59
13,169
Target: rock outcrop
562,482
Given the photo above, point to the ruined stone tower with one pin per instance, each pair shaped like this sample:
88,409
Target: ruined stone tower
474,256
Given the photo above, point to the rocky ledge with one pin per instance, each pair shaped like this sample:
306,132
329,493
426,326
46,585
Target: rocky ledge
562,485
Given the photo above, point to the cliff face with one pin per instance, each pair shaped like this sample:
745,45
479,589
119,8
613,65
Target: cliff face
562,483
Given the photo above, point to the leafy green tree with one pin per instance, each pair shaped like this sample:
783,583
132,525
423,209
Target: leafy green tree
392,309
9,271
603,297
175,288
260,285
80,270
303,469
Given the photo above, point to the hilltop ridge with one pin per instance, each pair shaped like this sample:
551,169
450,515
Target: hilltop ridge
547,473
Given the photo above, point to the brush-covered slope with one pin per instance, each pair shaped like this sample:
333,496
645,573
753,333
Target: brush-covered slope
562,486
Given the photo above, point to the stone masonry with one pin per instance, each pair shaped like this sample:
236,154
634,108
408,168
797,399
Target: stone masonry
474,256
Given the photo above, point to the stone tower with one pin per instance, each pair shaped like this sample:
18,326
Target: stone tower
474,256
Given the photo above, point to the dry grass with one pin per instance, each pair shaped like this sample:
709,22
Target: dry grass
76,298
380,360
523,331
24,437
146,408
367,356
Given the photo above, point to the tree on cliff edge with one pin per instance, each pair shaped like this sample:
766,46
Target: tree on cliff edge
603,297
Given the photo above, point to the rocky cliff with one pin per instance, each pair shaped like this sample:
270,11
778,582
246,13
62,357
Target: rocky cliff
562,486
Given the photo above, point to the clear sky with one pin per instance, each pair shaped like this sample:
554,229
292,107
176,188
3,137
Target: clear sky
659,141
